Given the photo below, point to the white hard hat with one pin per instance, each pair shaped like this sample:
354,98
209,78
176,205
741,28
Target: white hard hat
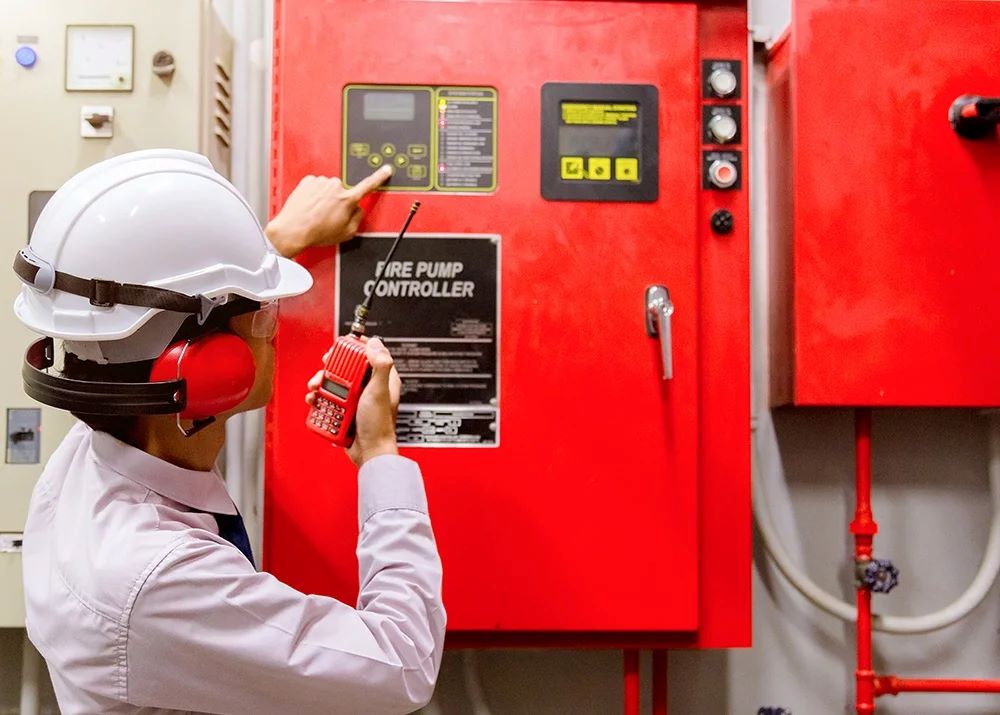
160,219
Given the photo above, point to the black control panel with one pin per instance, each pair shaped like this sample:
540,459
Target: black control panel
600,142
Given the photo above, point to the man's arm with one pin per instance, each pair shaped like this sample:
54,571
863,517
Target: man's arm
207,633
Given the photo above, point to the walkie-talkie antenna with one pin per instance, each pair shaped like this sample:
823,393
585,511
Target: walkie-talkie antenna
361,311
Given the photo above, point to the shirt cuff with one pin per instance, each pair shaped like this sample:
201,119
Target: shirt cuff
389,482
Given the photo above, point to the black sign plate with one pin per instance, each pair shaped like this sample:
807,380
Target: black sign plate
437,309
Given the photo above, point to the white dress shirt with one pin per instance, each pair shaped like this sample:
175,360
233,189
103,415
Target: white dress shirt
138,606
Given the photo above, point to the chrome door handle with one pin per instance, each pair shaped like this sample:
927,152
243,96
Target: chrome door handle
659,308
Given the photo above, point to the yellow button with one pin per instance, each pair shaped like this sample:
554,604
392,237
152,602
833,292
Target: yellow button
359,149
599,168
401,160
627,169
388,149
375,160
571,167
416,149
416,171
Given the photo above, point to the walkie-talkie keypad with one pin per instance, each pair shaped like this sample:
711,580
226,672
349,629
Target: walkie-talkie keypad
327,415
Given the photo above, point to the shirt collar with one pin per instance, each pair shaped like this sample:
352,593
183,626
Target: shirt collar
204,491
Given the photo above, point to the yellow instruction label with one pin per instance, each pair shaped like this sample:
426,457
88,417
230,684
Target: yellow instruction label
601,114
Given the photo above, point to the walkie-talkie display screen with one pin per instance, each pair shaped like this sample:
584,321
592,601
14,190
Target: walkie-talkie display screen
335,388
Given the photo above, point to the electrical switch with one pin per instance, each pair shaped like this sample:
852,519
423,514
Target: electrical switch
720,78
723,82
721,169
723,174
723,128
97,122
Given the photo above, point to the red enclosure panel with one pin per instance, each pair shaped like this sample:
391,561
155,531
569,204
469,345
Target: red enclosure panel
589,519
885,219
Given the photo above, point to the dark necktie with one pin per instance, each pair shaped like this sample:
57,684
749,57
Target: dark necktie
233,530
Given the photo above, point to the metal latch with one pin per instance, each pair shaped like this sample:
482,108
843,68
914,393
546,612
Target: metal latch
659,308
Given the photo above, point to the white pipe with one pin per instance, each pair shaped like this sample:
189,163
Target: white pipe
473,685
956,611
31,668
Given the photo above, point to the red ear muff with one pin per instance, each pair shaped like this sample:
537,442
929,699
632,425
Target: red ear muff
218,370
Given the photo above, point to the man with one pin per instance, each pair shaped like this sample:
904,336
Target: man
140,589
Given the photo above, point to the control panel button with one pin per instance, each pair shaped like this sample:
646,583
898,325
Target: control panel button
416,171
599,168
26,56
723,173
723,82
375,159
626,169
571,167
401,160
416,150
359,149
388,149
723,128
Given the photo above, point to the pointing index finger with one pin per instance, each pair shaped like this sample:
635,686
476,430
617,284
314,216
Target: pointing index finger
370,183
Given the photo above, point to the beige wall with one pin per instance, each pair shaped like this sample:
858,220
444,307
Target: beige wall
931,501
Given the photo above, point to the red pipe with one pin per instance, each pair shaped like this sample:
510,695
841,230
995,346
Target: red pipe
864,529
659,682
891,685
870,686
631,682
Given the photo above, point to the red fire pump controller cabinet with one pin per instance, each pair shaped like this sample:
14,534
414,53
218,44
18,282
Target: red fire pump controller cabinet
884,161
569,311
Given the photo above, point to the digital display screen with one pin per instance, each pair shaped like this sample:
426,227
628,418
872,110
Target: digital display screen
389,106
335,388
576,140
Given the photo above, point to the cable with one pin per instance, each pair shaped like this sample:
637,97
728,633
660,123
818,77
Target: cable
904,625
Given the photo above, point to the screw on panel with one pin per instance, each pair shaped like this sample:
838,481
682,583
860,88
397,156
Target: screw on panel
722,221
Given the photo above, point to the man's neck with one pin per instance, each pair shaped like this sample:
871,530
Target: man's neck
158,435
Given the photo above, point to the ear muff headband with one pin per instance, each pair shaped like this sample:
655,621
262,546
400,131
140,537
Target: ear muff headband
112,399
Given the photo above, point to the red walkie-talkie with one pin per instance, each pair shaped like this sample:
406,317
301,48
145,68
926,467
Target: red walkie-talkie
347,370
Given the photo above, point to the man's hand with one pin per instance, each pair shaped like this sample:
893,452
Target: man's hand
376,416
321,212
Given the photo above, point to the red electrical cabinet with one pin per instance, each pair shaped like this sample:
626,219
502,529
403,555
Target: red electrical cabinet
568,156
886,252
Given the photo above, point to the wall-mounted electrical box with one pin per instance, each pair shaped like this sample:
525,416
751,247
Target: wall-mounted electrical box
80,83
577,495
885,177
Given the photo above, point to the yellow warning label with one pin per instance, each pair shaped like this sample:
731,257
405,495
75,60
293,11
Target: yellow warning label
599,168
626,169
601,114
571,167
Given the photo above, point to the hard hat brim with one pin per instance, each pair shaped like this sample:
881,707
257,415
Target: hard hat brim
36,311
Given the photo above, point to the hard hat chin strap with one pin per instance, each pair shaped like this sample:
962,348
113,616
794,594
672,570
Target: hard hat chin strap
40,275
